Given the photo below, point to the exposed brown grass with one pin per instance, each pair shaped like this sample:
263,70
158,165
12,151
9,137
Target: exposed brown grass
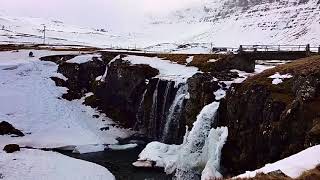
13,47
283,92
313,174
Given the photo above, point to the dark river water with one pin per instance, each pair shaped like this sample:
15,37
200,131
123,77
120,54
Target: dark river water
119,163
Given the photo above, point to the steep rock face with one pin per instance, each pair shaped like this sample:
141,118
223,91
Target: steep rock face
154,107
120,93
201,88
81,77
270,122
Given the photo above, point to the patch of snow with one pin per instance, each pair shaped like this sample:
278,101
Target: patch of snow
30,164
88,148
60,76
213,60
168,70
260,68
292,166
83,58
278,78
277,81
219,94
189,59
147,164
117,147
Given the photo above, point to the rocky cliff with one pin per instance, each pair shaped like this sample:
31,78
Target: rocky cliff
269,121
134,95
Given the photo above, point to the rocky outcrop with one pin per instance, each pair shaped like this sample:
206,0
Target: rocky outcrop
11,148
270,122
242,62
119,95
131,95
200,87
7,129
81,77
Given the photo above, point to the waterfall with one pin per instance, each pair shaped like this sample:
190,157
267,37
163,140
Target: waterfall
174,113
154,112
165,97
140,112
199,155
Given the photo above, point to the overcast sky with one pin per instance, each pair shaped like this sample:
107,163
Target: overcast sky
92,12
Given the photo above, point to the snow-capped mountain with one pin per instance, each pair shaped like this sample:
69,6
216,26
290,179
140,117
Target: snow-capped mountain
234,22
220,23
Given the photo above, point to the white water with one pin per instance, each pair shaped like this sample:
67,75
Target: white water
140,115
174,111
199,154
190,156
153,114
165,97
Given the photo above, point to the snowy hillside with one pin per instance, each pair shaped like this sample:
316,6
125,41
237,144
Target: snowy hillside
30,30
225,23
251,22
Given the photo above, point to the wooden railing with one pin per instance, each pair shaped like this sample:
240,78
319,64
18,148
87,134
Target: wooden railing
287,48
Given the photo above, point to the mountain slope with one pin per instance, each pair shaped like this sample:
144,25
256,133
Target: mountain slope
235,22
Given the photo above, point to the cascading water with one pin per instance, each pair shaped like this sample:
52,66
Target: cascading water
165,97
154,111
140,112
174,113
198,156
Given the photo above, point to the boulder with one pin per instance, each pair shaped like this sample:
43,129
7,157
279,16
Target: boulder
10,148
7,129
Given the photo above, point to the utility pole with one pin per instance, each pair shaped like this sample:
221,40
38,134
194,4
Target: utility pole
44,34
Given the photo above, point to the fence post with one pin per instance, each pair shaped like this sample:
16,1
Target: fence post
308,49
240,49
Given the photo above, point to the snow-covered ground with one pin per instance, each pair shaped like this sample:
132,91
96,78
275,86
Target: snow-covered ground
292,166
30,164
167,69
30,101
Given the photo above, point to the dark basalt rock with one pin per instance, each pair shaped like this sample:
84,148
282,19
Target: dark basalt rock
270,122
59,82
81,77
121,92
11,148
152,114
200,87
7,129
241,62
